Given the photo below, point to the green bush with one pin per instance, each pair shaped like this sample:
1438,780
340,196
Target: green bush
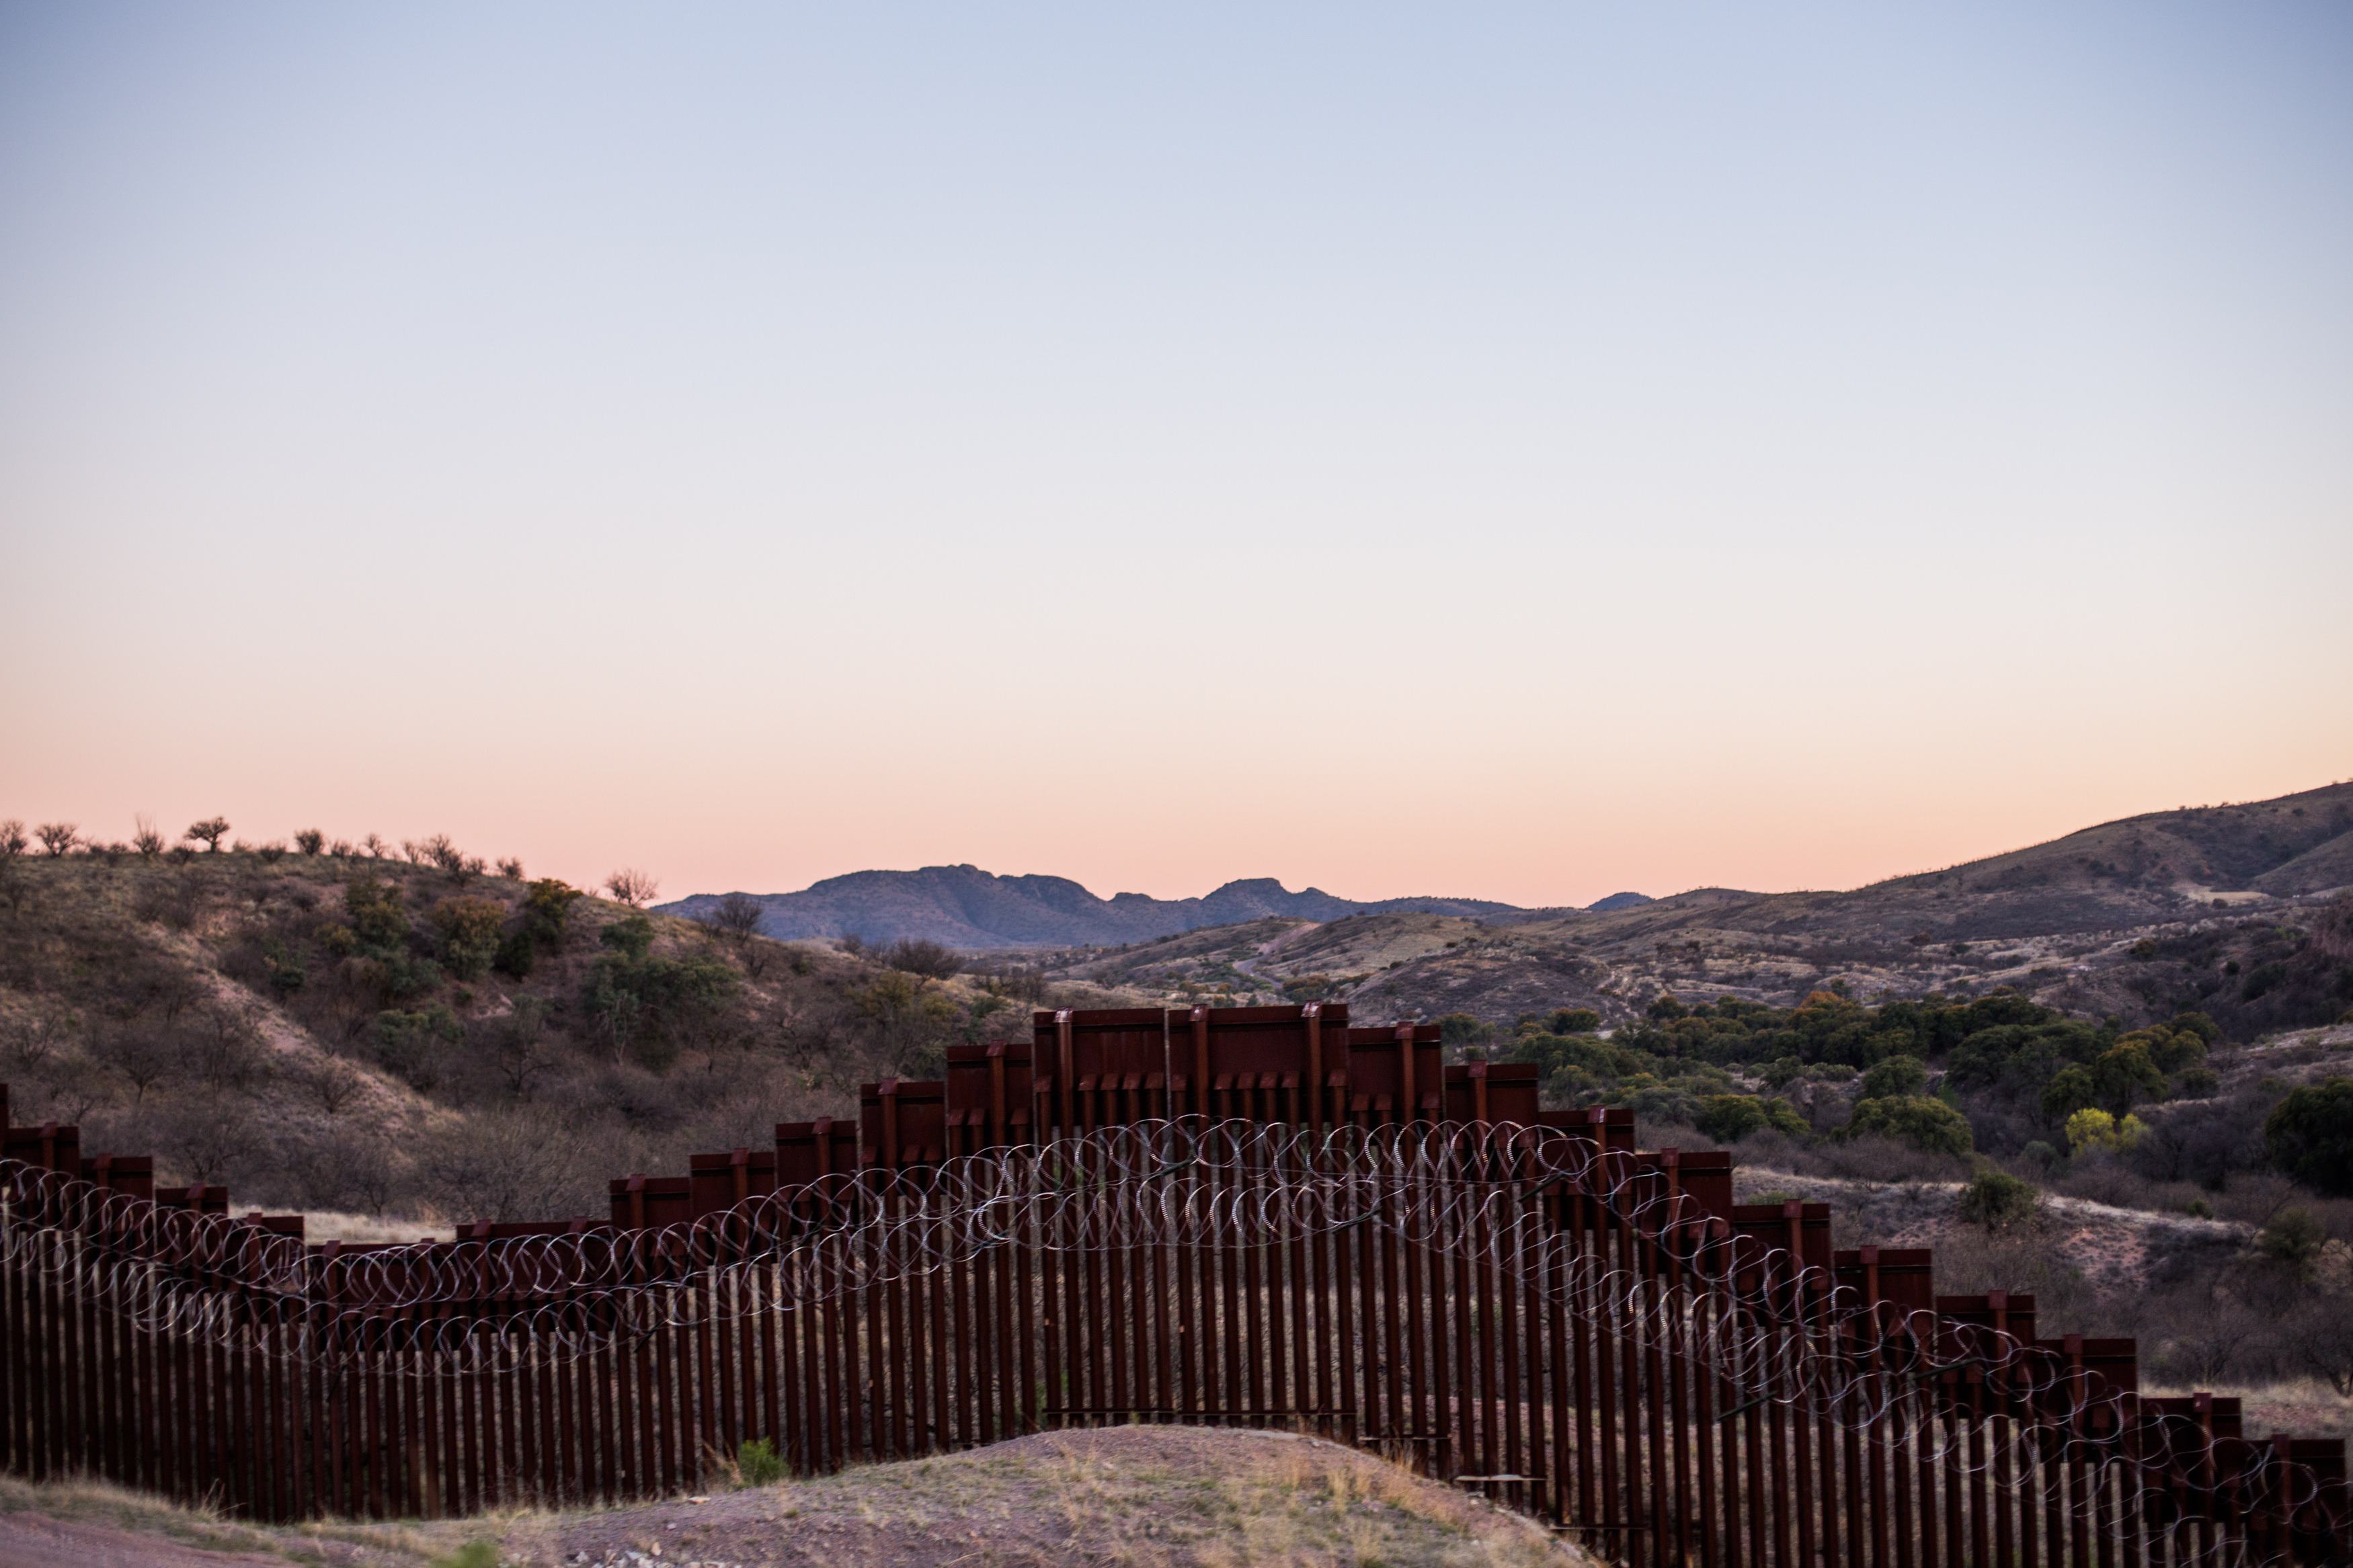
517,953
375,914
2069,1092
547,912
631,938
2294,1238
1928,1125
1896,1076
2123,1073
2309,1136
469,934
1997,1201
759,1464
417,1048
1728,1118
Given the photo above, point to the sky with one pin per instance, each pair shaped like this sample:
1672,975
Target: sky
1506,451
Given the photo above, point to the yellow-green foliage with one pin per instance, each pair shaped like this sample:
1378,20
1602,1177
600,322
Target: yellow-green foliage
2094,1128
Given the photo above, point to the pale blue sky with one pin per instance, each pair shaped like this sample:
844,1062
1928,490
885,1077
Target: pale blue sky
1685,444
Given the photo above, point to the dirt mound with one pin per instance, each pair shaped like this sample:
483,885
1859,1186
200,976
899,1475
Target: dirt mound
1138,1496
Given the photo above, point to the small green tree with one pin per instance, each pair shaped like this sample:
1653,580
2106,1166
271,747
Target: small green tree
2309,1136
2125,1073
2070,1089
2092,1128
1728,1118
1997,1202
2293,1238
547,912
1896,1076
1928,1125
469,934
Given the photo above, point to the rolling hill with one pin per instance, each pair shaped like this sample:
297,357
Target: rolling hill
2227,909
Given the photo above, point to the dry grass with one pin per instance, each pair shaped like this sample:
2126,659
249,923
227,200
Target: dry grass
1142,1497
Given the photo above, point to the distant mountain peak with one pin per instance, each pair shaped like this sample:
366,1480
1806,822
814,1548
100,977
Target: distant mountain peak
966,907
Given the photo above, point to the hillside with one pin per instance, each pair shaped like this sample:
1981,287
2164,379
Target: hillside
2223,909
968,908
360,1037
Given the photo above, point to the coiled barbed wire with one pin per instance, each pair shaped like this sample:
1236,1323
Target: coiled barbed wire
1642,1263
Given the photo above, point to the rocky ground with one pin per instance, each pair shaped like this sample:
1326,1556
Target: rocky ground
1135,1496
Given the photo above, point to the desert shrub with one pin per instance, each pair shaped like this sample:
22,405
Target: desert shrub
631,938
933,961
649,1005
2123,1074
2309,1136
375,914
758,1463
420,1048
528,1162
1896,1076
309,841
1914,1121
2040,1154
2293,1239
208,833
1997,1202
1728,1118
515,954
2204,1142
2070,1091
1464,1032
510,868
2094,1128
469,934
547,911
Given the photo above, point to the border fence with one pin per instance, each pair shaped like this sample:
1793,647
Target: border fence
1224,1217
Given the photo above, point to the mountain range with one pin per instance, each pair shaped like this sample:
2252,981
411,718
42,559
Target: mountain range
965,907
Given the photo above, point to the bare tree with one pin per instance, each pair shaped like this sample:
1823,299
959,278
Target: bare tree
309,841
510,868
142,1057
736,921
147,841
521,1049
331,1081
208,833
375,847
57,837
12,839
632,886
920,955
